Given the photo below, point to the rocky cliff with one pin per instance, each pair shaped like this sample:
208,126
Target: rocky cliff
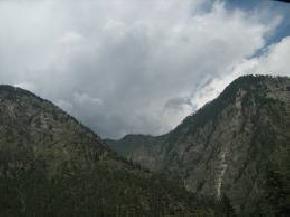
235,147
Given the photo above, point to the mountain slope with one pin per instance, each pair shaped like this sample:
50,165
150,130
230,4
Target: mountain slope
141,149
237,147
51,165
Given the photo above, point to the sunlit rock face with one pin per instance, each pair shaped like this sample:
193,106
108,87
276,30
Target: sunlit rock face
236,145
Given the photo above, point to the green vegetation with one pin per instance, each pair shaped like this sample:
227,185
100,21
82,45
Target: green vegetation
52,166
28,189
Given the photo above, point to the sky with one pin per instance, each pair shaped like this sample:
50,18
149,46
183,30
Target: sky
138,67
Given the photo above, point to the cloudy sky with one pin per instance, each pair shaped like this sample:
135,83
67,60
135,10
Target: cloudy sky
134,66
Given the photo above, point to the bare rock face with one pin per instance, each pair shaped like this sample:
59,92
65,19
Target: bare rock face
237,146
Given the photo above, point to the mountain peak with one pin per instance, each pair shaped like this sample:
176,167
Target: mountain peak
231,145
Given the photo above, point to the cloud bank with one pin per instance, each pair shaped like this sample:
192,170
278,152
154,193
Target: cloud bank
127,66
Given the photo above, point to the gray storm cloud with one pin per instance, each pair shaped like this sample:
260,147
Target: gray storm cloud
125,66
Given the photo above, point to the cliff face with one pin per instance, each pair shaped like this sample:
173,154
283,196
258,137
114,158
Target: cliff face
236,147
51,165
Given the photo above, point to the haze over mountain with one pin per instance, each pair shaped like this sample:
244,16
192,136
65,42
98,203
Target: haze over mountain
236,145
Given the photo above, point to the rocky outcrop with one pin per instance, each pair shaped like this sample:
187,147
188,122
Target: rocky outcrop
231,147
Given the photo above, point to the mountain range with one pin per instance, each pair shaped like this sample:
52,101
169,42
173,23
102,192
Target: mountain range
236,146
51,165
229,158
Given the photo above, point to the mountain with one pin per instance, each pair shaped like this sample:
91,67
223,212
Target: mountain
142,149
236,147
53,166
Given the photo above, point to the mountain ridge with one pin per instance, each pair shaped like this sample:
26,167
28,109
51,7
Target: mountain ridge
229,145
51,165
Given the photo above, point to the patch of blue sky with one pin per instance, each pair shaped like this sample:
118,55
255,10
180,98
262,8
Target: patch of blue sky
267,9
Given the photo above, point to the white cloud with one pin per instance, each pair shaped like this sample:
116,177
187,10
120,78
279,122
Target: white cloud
274,61
119,65
70,38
